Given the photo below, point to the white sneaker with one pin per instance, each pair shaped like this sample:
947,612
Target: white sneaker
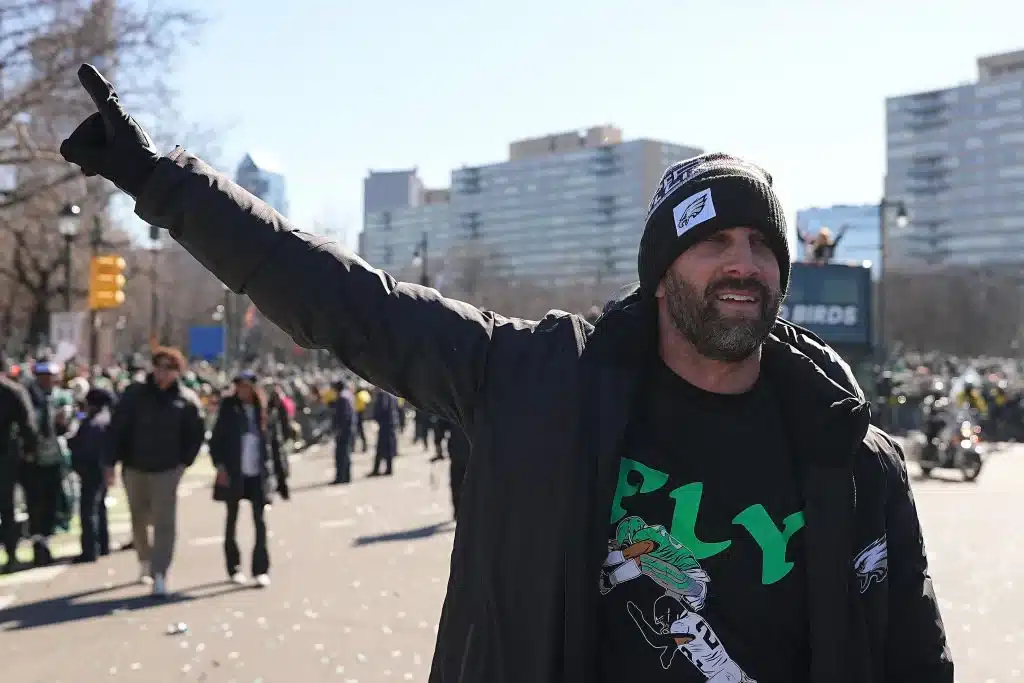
238,578
159,586
144,574
263,580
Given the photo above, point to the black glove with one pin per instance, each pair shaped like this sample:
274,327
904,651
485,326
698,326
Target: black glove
110,143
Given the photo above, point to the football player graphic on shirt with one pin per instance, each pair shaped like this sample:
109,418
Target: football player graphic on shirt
639,550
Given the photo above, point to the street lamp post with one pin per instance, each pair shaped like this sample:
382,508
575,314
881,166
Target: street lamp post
220,317
95,244
226,317
119,326
67,224
902,220
154,297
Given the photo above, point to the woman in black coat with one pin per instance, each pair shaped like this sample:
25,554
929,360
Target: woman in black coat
241,449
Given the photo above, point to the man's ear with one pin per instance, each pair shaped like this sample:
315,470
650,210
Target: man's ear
660,291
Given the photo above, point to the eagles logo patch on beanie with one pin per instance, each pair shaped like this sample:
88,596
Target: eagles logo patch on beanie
693,211
700,196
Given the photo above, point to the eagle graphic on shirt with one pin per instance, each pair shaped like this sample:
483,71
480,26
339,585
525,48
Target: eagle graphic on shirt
640,550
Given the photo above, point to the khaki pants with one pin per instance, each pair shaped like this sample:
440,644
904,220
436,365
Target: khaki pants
153,501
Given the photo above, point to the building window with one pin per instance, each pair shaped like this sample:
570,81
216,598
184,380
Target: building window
1009,105
1012,172
995,89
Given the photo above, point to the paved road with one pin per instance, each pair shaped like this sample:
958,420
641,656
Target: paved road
359,575
976,551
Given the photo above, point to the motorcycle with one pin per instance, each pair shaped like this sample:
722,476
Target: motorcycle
957,446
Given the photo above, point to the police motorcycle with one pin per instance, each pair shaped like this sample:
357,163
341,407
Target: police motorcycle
951,439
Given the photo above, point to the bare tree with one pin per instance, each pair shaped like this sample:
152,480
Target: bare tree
965,311
42,43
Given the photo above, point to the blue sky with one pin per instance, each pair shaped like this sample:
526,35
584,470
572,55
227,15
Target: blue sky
332,89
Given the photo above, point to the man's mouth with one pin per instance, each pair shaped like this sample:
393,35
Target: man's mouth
738,297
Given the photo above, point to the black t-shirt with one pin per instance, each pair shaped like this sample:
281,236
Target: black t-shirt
704,579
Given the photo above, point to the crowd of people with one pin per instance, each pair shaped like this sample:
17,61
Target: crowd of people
991,389
66,431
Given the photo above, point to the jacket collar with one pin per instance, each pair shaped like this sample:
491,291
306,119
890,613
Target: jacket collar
174,389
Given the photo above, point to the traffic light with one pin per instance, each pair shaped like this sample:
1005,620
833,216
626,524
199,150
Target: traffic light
106,282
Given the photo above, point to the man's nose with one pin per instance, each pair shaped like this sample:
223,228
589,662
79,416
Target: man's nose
740,260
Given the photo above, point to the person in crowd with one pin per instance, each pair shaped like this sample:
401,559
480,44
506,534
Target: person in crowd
19,434
385,414
42,475
156,433
345,418
821,248
688,435
442,429
363,400
88,448
421,427
240,449
280,435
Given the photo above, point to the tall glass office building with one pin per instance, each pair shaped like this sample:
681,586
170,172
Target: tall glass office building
262,176
564,209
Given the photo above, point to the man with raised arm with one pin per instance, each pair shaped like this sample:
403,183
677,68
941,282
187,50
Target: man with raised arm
735,446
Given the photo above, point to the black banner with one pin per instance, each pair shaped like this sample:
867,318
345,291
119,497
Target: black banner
831,300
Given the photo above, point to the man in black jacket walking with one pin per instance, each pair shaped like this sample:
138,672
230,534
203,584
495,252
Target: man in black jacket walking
156,432
685,435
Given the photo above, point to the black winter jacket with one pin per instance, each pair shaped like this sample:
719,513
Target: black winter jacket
154,429
18,430
226,449
550,472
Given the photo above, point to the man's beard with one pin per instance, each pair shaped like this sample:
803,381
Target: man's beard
716,336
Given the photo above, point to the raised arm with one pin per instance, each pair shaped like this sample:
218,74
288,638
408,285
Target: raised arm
400,336
405,338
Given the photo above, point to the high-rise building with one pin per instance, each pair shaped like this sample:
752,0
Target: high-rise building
956,158
861,242
262,176
565,209
389,190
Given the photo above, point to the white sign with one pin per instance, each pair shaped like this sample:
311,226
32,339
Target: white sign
66,332
693,211
820,314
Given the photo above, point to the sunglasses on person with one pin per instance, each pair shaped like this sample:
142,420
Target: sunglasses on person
170,367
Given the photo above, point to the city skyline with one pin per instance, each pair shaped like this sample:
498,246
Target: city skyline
563,209
801,89
862,241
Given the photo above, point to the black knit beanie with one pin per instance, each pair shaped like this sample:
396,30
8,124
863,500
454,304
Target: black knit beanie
704,194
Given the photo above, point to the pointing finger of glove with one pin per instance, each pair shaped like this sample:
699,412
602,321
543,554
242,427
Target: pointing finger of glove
103,96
